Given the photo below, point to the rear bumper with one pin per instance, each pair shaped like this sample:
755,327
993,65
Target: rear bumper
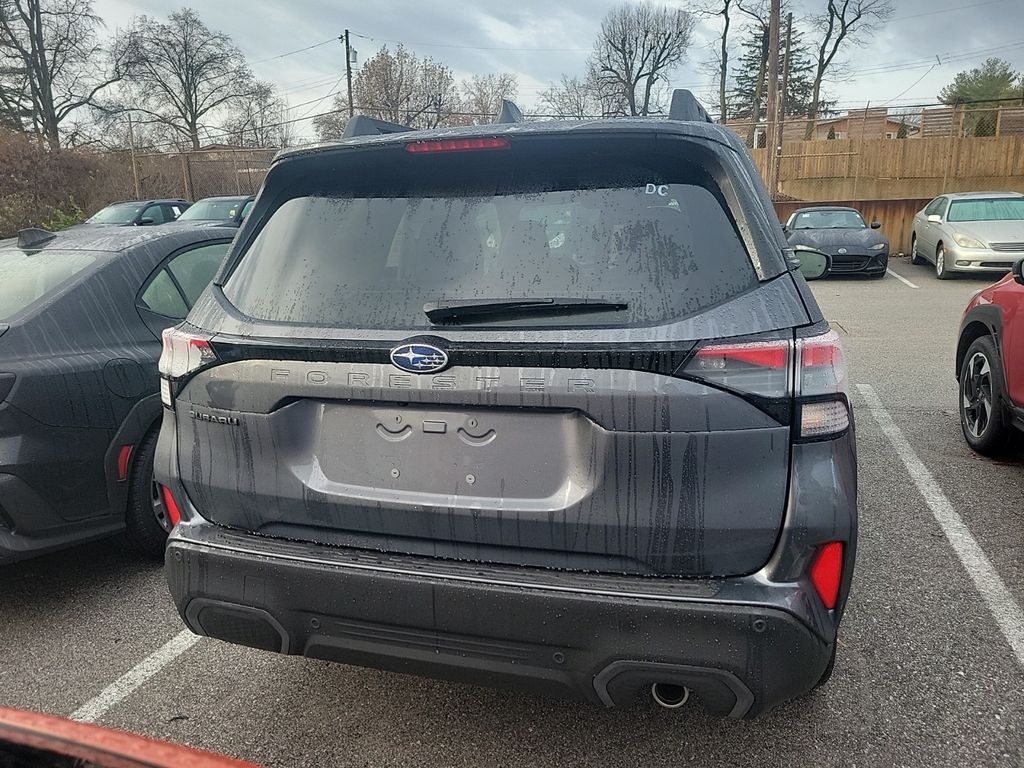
741,645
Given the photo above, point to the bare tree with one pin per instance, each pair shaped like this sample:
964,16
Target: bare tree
330,125
719,65
757,11
398,87
258,119
435,94
573,98
636,48
15,102
578,98
187,74
482,95
844,21
52,63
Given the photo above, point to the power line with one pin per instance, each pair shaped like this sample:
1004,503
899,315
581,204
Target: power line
330,93
463,47
297,50
962,7
911,87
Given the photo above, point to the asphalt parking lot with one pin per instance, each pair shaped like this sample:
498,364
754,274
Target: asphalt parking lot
931,660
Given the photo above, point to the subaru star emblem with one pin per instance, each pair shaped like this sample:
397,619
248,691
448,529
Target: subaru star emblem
842,250
419,358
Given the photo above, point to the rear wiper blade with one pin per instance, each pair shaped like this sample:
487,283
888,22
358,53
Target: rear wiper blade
458,309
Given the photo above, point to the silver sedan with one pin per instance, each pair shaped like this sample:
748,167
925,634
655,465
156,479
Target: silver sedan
970,232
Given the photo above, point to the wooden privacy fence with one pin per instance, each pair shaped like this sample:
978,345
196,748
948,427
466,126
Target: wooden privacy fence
896,169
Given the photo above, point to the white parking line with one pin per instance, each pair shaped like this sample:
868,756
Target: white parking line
901,278
1001,605
121,688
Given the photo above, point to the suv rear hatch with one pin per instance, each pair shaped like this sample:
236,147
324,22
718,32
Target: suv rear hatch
362,380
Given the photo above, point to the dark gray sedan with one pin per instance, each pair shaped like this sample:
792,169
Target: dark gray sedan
842,233
81,313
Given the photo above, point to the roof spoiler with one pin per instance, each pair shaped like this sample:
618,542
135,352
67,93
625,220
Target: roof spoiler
34,236
361,125
686,107
509,113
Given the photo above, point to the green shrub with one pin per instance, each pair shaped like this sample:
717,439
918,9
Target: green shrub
62,218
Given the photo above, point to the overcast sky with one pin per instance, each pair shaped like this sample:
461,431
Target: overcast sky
540,39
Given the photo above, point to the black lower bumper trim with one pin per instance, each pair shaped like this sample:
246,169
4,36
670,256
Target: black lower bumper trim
738,659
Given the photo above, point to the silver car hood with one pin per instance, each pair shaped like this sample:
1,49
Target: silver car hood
991,231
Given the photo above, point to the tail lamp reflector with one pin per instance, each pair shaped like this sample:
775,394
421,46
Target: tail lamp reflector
827,572
173,512
124,458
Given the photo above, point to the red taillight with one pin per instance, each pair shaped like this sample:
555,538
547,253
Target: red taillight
456,145
757,367
822,367
827,573
822,381
173,513
768,355
124,457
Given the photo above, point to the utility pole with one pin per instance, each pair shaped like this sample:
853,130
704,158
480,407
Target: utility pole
131,147
771,132
348,74
782,103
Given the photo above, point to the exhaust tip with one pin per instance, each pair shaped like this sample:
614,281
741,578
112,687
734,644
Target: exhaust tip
670,696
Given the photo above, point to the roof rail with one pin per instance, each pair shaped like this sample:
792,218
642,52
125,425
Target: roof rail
686,107
509,113
361,125
34,236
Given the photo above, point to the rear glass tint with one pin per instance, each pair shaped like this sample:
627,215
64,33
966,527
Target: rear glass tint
27,278
212,210
654,235
118,213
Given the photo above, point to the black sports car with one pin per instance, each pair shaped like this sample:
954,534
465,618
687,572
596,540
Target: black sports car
81,314
842,233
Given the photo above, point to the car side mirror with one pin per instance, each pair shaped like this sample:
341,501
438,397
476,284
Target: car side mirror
146,222
934,218
1018,271
785,228
814,265
876,225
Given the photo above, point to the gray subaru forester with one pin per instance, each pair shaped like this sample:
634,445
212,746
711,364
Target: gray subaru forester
545,405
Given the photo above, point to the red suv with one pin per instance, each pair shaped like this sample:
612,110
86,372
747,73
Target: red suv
990,365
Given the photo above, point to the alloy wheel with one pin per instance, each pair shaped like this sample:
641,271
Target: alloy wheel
159,510
976,395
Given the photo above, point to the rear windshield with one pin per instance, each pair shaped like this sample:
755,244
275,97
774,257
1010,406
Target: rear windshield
995,209
656,237
212,210
120,213
25,279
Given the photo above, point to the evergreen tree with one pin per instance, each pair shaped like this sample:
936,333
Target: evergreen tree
750,71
